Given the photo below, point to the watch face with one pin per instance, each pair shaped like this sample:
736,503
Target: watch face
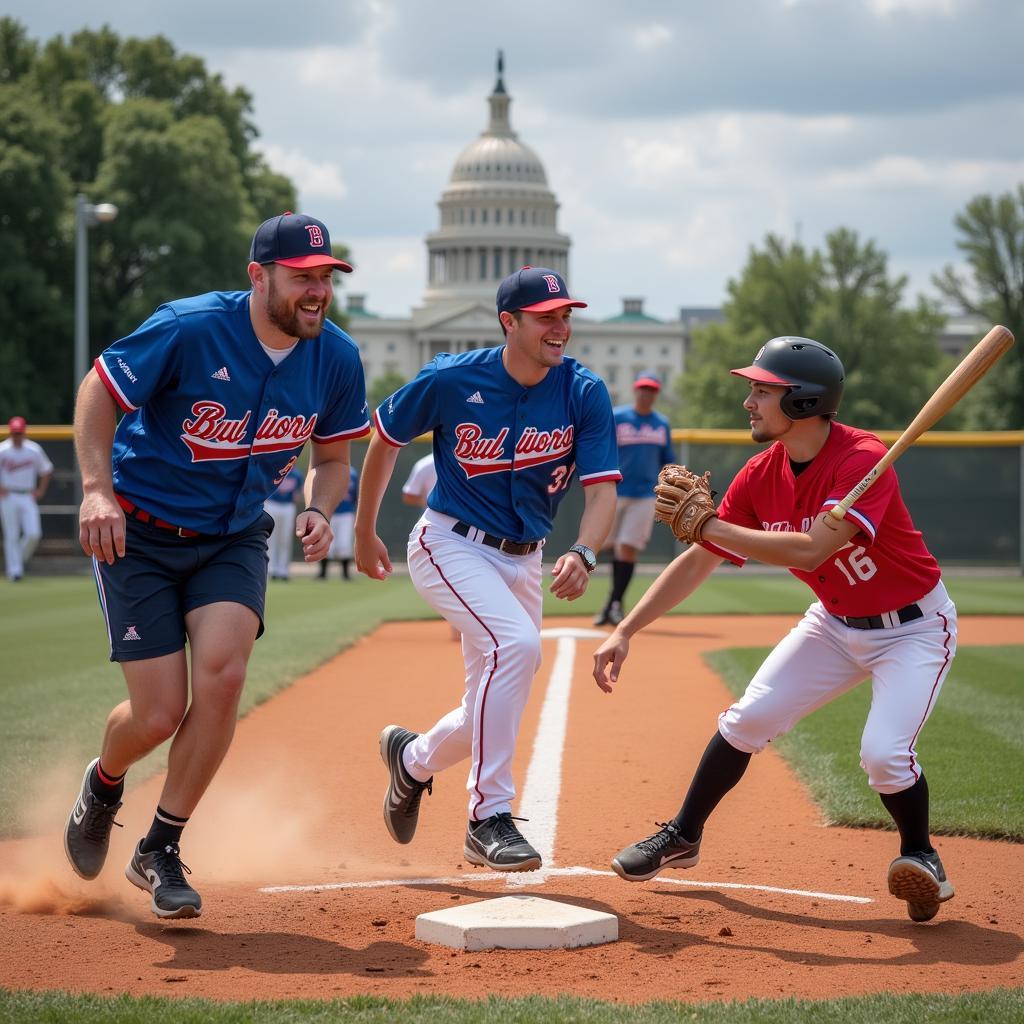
588,556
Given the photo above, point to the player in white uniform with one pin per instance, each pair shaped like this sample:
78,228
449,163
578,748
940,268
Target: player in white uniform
512,425
342,526
282,507
882,612
420,482
25,473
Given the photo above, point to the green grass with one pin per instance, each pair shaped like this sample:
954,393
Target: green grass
57,685
999,1005
972,748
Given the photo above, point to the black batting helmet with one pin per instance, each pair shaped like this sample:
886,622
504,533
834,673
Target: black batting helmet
812,372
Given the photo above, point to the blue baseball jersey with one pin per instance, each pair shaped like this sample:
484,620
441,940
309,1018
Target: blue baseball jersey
287,488
211,425
645,445
505,454
348,503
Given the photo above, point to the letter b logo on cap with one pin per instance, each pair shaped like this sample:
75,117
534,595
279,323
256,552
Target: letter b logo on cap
552,283
316,236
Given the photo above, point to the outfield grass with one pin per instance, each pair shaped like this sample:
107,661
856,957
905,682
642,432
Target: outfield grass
1000,1005
972,748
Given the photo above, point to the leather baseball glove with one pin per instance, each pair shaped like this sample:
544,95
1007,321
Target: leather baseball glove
684,500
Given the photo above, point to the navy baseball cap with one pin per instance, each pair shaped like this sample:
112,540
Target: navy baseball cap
294,240
647,379
535,289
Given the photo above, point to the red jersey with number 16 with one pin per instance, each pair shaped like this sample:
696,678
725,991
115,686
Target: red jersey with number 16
884,567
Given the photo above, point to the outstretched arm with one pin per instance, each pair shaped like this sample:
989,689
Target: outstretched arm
570,576
371,555
674,585
793,550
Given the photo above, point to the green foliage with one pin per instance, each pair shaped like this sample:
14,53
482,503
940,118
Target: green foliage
992,240
135,123
383,387
843,297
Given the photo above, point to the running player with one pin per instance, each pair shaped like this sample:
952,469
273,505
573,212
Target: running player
512,425
220,393
882,611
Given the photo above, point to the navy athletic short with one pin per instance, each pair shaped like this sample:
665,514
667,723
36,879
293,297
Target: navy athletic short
146,595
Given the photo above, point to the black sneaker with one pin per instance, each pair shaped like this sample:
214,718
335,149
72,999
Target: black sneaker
920,879
496,843
87,834
163,874
665,849
402,800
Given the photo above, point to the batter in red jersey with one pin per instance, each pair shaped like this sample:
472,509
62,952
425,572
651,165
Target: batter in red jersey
882,612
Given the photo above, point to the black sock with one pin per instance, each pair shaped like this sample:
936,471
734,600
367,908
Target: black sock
344,567
323,568
909,809
105,787
721,767
622,573
165,830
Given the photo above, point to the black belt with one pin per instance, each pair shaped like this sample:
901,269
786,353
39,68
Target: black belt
906,614
146,517
510,547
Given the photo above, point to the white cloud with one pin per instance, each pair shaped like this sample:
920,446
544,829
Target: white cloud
314,179
651,37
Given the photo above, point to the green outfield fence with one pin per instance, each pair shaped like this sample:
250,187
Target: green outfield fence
964,491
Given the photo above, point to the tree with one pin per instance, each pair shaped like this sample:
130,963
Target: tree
992,239
843,297
128,121
383,387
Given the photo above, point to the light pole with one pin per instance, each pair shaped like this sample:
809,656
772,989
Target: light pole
87,215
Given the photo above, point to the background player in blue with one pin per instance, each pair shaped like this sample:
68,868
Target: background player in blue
220,393
342,526
511,425
644,437
282,509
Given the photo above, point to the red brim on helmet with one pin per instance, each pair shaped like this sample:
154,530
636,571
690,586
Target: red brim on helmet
761,376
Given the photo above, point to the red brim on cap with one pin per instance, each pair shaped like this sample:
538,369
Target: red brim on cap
315,260
761,376
647,382
548,304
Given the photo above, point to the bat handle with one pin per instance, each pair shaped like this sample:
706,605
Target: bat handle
839,510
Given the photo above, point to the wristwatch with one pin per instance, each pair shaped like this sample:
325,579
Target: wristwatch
587,555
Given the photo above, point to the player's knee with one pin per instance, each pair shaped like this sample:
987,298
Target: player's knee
888,771
522,650
749,728
222,685
159,723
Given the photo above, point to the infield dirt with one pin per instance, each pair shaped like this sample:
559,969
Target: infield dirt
298,802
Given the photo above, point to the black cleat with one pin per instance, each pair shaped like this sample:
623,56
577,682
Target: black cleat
665,849
163,874
496,843
87,833
920,879
402,800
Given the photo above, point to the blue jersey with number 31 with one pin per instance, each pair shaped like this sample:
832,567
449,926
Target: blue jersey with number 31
505,454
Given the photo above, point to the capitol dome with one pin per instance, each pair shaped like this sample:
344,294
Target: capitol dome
497,214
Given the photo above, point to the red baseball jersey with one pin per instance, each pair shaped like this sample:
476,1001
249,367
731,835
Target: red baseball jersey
885,566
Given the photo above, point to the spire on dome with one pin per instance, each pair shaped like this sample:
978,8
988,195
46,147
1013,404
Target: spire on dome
500,102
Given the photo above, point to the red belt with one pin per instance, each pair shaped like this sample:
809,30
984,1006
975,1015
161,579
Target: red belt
144,517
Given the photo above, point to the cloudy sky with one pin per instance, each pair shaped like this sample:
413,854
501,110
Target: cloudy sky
675,134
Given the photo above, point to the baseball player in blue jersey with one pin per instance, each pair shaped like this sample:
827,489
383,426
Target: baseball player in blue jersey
342,525
219,392
512,425
645,445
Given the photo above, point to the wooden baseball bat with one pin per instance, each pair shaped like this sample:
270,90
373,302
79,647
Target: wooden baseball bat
971,369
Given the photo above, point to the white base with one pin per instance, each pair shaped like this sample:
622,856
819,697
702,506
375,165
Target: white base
517,922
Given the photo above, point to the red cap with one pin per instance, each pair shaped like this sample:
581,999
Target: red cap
17,424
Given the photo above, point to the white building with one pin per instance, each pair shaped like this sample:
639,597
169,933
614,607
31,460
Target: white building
497,214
